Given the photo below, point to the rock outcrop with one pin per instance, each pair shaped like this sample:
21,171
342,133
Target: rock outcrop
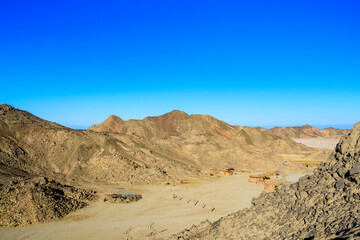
324,205
38,200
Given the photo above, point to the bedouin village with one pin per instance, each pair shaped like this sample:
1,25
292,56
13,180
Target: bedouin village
271,181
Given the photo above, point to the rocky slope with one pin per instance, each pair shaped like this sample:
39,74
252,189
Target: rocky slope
324,205
38,200
308,131
205,142
32,146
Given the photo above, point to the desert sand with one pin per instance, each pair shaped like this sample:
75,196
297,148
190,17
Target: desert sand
157,213
318,142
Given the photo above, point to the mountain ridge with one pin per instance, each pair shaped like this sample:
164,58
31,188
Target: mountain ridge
307,131
197,132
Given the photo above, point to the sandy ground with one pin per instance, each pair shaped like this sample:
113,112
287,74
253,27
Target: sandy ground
157,213
318,142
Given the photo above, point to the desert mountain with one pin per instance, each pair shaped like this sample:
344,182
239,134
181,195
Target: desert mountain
324,205
32,146
206,142
308,131
170,147
175,123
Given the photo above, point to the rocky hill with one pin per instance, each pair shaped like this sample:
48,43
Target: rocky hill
34,146
308,131
205,142
324,205
36,200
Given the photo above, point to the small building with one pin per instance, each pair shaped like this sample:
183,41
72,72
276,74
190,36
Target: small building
255,179
260,183
122,197
271,187
224,172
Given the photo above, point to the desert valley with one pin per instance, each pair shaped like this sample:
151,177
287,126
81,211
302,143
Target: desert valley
184,120
174,176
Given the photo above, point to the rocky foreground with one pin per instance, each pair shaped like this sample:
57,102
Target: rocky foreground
38,199
324,205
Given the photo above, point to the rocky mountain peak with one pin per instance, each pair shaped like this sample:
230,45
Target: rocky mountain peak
112,118
12,116
6,109
6,106
175,114
112,124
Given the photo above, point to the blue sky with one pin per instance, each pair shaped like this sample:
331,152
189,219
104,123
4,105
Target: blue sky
254,63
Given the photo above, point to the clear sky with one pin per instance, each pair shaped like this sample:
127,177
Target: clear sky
254,63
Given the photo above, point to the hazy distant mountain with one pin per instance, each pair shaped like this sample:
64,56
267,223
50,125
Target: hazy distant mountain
308,131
